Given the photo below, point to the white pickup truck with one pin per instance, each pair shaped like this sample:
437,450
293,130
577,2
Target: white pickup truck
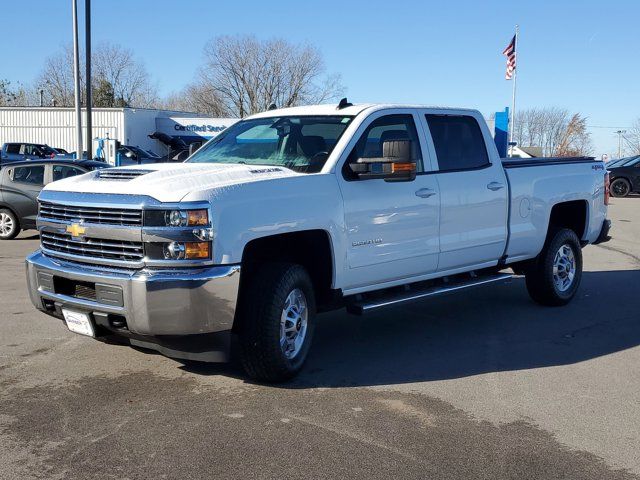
295,211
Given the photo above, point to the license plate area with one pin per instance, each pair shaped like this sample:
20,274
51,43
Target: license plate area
79,322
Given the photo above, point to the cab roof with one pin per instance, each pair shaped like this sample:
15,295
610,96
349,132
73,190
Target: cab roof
349,111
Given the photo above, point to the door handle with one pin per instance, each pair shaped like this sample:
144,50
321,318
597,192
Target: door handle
425,193
495,186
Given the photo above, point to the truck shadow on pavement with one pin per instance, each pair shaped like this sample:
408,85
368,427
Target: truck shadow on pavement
493,329
480,331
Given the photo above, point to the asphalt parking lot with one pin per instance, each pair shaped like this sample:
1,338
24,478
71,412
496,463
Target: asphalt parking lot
482,385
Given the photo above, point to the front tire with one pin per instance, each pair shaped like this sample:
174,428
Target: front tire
276,321
620,187
554,276
9,225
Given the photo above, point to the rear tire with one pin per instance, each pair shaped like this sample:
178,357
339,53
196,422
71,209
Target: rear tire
554,276
276,321
620,187
9,225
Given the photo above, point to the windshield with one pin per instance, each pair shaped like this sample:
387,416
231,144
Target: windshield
301,143
138,151
630,162
152,154
47,150
615,163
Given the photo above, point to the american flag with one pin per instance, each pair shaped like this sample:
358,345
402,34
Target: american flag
510,53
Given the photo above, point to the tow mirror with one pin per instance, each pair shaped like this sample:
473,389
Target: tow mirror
395,165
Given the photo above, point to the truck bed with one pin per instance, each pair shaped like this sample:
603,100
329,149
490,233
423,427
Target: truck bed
541,161
537,184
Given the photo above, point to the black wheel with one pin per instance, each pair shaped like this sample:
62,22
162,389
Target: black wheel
9,225
620,187
554,276
276,321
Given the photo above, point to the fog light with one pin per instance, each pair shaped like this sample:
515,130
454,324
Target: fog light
197,250
174,251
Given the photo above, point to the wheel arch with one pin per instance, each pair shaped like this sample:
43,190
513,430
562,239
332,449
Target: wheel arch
313,249
573,214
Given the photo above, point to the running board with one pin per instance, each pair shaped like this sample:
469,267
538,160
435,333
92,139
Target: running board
362,306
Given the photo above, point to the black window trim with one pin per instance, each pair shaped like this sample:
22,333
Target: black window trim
489,163
81,171
44,169
384,113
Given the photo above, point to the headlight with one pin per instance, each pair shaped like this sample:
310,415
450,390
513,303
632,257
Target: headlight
176,218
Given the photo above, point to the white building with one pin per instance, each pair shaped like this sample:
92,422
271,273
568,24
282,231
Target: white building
131,126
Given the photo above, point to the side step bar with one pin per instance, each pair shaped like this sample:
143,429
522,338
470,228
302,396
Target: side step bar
363,305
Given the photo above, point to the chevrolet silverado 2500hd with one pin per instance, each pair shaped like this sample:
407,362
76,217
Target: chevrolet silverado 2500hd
295,211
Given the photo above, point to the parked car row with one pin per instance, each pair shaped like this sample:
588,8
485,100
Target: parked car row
17,151
21,151
20,184
625,176
25,168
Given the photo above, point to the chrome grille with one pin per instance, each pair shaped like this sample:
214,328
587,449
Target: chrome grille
108,216
124,174
92,247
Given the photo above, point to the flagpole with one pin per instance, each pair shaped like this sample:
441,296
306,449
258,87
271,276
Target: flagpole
513,99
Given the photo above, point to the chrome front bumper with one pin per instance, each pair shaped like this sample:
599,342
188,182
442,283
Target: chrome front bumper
147,306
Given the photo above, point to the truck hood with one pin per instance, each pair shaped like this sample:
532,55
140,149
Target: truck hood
168,182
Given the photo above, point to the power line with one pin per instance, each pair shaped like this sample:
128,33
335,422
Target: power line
605,126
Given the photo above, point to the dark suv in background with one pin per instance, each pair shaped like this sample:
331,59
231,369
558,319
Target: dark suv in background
625,177
20,184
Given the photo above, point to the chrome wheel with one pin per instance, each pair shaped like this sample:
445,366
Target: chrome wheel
293,323
6,225
564,268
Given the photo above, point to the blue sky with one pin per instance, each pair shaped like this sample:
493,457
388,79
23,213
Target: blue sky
580,55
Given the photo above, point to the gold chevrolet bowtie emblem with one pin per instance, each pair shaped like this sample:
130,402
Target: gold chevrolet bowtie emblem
75,230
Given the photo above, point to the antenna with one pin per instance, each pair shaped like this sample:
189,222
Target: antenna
273,106
344,103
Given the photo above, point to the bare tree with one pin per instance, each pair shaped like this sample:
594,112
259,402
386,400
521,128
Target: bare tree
197,98
553,129
243,75
632,139
574,139
10,96
128,77
112,66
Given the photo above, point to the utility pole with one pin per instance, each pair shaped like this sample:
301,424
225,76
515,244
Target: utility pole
620,134
76,80
87,48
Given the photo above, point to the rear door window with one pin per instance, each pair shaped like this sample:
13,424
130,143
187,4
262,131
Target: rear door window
61,172
13,148
458,142
32,175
